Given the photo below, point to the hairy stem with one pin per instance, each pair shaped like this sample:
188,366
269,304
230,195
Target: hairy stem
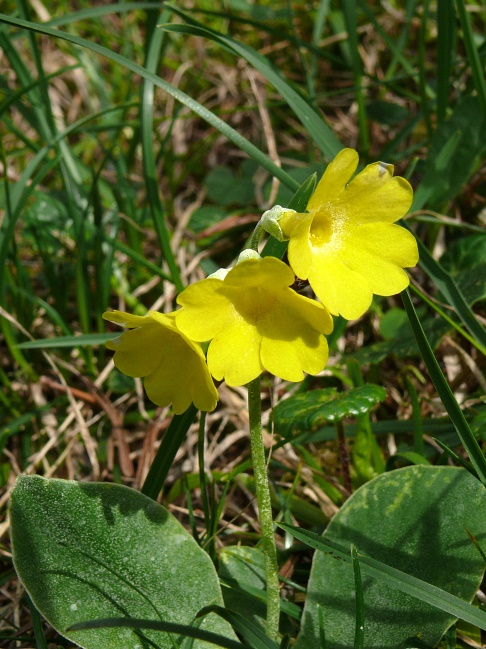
258,232
264,508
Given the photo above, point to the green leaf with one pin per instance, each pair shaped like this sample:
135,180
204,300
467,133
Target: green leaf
224,188
402,344
394,324
309,410
86,551
301,175
465,253
417,588
472,282
413,520
386,112
242,575
456,150
205,217
315,465
406,457
359,626
478,425
245,568
365,449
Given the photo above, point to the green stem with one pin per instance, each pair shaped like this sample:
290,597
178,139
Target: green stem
202,468
264,508
256,238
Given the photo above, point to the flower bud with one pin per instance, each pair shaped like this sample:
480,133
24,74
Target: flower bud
270,221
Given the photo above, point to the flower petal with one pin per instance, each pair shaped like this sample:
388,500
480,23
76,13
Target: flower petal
376,195
234,354
180,378
290,221
205,308
337,174
308,311
125,319
379,251
299,250
291,347
174,367
343,291
268,271
138,351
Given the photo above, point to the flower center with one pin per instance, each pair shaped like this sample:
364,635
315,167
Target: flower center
253,304
321,229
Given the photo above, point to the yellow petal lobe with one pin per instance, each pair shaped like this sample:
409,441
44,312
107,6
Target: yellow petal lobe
173,367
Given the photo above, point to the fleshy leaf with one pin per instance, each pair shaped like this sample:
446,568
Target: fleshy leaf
242,571
309,410
87,551
416,520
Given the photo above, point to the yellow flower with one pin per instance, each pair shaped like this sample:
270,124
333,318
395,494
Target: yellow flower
256,322
173,367
347,244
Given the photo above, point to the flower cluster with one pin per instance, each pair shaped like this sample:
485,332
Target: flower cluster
346,245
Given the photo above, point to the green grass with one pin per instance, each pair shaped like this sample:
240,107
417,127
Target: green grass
134,153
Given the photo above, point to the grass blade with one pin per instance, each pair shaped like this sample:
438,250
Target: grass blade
98,12
477,68
149,166
175,435
68,341
255,637
448,319
350,19
235,137
395,578
318,130
37,625
446,33
450,290
157,625
318,28
445,393
422,57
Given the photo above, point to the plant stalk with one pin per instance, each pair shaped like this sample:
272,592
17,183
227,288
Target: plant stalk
264,508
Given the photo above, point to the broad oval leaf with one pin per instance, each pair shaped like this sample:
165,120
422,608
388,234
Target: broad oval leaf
414,519
309,410
242,573
87,551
